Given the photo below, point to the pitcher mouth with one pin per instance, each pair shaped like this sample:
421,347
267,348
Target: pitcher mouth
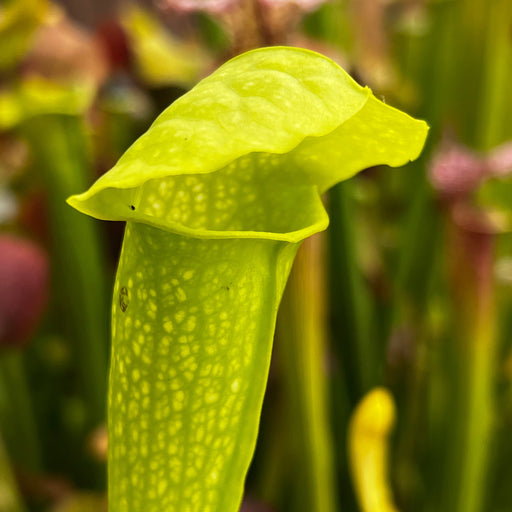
255,196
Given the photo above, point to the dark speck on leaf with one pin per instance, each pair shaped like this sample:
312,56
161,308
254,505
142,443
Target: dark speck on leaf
132,207
123,299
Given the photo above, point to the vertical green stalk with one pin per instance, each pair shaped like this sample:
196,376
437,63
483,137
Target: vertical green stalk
352,307
479,419
493,124
270,469
357,351
475,352
59,147
429,59
487,25
17,413
302,346
10,500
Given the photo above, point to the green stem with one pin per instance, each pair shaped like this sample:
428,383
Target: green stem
59,146
493,126
273,457
489,125
17,414
10,500
351,302
478,428
428,60
475,355
302,342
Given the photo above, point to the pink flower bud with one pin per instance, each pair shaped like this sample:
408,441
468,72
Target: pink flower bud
455,170
23,289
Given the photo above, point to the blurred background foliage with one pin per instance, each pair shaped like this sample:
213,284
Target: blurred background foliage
390,387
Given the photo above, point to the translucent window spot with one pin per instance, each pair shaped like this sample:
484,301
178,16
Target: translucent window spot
188,376
181,295
162,487
168,326
179,316
209,309
199,434
162,388
188,274
235,385
205,370
210,397
190,472
173,431
191,324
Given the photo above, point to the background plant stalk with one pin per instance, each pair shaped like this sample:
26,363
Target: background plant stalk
302,347
475,350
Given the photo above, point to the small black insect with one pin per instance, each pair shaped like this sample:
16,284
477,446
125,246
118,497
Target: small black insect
132,207
123,299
